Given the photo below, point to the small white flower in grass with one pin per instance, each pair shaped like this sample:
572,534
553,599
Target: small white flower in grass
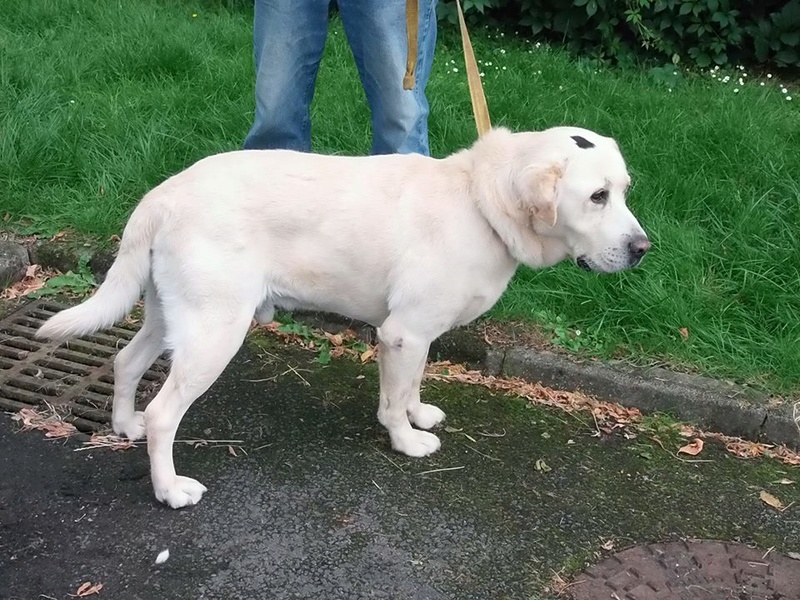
539,72
504,68
769,75
489,64
762,84
784,90
741,81
455,69
162,557
669,90
72,101
482,74
788,97
502,34
577,332
561,87
538,44
530,51
735,90
674,72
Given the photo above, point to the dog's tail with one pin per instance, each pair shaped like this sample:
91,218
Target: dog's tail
122,287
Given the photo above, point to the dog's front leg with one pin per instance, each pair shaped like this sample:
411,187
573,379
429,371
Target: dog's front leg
401,357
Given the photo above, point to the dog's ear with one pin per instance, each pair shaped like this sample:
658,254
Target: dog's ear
540,185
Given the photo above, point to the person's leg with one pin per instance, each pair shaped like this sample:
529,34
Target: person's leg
376,30
288,40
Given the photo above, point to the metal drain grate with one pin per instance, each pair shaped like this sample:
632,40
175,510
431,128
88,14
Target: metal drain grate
696,570
76,375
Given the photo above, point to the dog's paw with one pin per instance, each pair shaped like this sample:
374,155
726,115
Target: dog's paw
184,491
415,443
426,416
132,428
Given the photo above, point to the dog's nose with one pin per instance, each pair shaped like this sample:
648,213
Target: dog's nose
638,247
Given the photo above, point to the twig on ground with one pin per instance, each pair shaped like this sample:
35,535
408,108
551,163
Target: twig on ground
441,470
481,453
398,467
491,435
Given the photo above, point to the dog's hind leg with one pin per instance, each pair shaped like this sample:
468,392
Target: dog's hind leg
401,357
131,363
203,341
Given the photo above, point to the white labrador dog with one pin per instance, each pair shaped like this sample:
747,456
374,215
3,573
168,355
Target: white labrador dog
413,245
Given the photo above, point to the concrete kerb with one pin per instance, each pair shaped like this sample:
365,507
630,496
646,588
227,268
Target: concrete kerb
709,403
712,404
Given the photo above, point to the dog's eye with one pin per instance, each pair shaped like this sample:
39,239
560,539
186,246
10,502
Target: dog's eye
600,197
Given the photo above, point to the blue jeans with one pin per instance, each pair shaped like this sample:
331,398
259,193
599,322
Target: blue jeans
288,40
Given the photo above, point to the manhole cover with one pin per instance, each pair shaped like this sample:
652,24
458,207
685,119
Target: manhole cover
691,571
76,375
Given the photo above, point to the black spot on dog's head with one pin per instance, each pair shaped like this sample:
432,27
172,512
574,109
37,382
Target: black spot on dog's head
582,142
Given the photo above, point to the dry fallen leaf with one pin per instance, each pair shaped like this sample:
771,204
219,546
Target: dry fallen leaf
58,429
693,448
35,279
684,333
87,589
608,545
335,338
367,354
768,498
50,422
232,452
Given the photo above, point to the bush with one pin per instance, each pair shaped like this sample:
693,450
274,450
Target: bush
699,32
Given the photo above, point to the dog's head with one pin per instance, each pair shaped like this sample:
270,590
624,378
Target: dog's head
578,196
574,183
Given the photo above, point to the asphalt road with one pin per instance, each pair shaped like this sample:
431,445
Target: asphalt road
312,503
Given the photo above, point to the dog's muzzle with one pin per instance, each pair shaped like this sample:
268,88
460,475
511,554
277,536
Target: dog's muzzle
583,263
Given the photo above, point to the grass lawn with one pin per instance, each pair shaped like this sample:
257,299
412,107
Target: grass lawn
100,101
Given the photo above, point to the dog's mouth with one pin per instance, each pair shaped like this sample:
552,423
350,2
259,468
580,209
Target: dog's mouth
583,263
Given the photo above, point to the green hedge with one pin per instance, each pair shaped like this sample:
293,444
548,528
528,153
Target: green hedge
699,32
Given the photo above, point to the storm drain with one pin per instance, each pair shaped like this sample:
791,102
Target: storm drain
76,376
698,570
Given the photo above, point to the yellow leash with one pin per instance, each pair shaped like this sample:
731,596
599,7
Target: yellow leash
412,31
479,107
